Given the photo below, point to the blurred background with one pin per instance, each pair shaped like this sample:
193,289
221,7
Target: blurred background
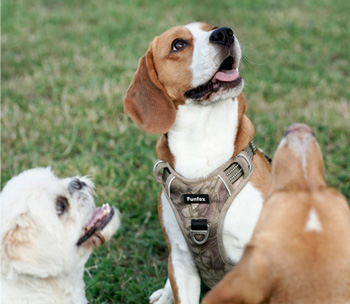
66,66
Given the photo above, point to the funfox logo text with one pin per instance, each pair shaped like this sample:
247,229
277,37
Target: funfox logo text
196,198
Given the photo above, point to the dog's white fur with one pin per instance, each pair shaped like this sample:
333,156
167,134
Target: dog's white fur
197,156
40,259
201,140
206,61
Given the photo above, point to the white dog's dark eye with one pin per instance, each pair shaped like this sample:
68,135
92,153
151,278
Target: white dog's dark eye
178,45
61,205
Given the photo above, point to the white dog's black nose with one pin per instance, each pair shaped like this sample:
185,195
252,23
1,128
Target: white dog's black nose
222,35
76,184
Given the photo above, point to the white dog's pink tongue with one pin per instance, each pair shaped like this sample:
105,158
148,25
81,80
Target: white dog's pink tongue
99,214
225,76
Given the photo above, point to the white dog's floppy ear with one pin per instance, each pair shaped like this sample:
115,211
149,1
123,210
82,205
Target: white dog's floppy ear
146,100
23,251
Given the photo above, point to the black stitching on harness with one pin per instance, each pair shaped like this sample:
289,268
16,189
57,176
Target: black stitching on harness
268,158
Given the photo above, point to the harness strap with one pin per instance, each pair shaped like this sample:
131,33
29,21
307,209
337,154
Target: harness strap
200,207
233,171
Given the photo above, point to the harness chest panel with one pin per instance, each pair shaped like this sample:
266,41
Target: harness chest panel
200,208
207,256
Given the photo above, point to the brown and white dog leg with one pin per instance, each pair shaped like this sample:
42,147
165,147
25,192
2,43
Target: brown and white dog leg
184,280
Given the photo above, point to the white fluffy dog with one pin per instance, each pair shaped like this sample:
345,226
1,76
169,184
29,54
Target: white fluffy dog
49,227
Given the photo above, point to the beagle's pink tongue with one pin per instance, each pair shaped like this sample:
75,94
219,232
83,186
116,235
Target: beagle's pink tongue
225,76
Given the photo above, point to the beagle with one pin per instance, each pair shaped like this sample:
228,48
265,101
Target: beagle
300,250
188,88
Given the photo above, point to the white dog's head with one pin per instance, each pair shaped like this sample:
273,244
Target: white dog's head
50,225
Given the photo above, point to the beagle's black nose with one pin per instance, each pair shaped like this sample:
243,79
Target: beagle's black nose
222,35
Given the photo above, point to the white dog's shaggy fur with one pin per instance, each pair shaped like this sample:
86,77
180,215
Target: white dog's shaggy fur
42,220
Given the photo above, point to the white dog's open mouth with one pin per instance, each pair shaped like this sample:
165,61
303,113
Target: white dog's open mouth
226,77
100,218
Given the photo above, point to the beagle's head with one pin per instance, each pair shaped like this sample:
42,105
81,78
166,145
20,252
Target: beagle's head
197,63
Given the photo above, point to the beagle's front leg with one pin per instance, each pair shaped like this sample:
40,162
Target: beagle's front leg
183,274
163,296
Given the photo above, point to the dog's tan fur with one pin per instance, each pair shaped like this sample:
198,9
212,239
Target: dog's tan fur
291,257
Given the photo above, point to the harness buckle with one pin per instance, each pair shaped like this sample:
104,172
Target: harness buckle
201,229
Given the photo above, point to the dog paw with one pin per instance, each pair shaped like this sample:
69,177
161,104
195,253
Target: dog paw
162,296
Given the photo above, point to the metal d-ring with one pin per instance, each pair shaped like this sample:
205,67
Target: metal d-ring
193,233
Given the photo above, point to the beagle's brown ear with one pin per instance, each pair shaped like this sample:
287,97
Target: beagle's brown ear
146,100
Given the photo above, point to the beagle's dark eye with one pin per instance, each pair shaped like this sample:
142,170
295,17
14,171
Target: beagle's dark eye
61,205
178,45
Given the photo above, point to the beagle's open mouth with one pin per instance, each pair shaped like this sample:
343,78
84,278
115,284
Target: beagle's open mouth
227,77
100,218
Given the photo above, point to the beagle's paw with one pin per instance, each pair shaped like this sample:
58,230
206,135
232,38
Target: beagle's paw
162,296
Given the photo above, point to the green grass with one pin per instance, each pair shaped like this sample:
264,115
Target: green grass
66,66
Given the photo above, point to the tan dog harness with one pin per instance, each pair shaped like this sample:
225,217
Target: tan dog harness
200,207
